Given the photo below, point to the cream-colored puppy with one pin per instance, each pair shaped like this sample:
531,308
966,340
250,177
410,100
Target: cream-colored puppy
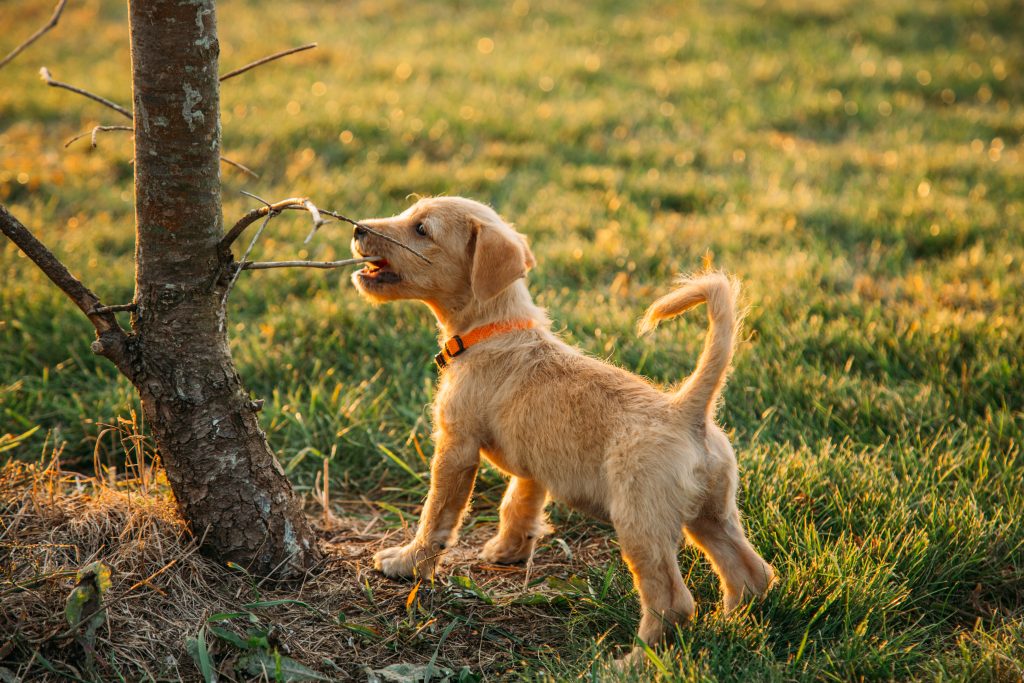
563,425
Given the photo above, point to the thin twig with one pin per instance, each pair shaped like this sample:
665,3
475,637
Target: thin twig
240,167
37,35
268,211
294,203
268,58
118,598
103,129
252,243
254,215
379,234
238,271
256,197
44,73
94,132
317,219
298,204
264,265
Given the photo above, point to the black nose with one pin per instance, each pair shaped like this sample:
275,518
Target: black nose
359,231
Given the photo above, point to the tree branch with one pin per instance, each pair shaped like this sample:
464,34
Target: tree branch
317,219
251,217
386,238
270,213
264,265
267,212
116,308
300,204
241,167
94,132
110,337
37,35
44,73
268,58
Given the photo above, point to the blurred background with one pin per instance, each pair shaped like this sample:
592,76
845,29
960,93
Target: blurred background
857,164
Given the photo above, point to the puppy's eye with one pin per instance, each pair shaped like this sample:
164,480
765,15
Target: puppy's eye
421,229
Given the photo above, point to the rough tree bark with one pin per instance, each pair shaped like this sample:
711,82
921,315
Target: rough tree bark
224,475
229,486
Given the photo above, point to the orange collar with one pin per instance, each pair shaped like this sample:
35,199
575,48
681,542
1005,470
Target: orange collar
456,345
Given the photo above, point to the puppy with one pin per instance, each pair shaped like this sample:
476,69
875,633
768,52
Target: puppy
561,424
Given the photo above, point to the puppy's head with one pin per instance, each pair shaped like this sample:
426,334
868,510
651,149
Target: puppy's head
473,254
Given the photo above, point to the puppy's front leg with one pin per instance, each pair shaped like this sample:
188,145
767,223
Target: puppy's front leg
452,473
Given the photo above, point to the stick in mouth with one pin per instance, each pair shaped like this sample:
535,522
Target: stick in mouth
379,270
264,265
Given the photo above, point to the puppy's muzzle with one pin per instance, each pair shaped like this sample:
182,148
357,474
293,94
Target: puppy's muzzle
360,239
375,273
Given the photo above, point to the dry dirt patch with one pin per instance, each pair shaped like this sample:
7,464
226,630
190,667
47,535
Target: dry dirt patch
341,619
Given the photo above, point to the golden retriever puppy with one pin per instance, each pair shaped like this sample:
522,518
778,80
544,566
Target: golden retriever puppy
561,424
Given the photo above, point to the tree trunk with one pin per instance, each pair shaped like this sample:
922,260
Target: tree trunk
228,484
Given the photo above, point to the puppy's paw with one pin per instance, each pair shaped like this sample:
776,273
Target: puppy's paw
756,586
503,550
397,562
636,660
408,561
765,579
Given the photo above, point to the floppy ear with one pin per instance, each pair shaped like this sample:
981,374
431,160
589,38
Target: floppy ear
500,258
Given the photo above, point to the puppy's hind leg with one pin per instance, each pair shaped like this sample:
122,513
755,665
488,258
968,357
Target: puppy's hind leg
522,523
740,569
651,549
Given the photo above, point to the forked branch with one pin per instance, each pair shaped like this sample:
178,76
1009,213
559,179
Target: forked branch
54,18
225,254
95,132
300,204
252,216
267,212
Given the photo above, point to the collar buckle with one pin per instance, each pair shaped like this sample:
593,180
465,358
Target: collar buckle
459,346
453,347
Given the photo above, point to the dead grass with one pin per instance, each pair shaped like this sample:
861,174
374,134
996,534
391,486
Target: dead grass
342,618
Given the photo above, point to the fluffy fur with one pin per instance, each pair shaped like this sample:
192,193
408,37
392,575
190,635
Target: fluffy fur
561,424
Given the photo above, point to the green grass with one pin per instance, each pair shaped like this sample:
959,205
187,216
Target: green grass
857,165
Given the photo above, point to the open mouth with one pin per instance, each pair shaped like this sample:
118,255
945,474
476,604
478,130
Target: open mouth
379,272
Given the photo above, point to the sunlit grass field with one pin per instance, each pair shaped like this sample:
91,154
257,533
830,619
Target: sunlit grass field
859,165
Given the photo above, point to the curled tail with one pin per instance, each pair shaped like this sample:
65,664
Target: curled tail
702,388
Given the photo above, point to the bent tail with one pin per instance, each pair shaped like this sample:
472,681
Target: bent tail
703,387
